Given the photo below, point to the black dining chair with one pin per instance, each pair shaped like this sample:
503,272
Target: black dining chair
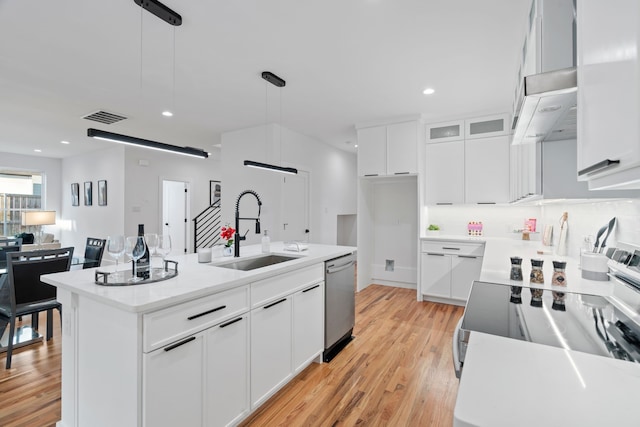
93,252
22,293
6,246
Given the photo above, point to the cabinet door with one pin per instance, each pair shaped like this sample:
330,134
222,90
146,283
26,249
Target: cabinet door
435,272
402,148
444,175
227,361
445,132
464,270
372,151
609,95
486,162
173,384
308,325
484,127
271,350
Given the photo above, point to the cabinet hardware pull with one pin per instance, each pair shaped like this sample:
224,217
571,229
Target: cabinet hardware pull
451,249
195,316
371,174
178,344
467,256
444,203
308,289
275,303
429,253
231,322
486,203
605,164
402,173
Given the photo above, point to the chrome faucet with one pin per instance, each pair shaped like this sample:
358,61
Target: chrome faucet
237,237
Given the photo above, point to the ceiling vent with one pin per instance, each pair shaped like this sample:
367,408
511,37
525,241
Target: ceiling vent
104,117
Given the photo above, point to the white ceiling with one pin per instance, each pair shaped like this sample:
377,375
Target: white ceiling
345,62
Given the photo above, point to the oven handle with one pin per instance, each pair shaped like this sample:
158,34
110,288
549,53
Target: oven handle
457,366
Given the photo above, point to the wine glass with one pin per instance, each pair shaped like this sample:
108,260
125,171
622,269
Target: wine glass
134,248
163,249
115,247
152,244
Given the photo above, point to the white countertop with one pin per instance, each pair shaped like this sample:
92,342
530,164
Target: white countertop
194,279
507,382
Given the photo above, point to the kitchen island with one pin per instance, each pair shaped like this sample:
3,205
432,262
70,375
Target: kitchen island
206,347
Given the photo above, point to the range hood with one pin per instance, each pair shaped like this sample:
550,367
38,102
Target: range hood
548,110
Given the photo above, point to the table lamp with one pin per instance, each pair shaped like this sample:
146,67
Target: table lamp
38,219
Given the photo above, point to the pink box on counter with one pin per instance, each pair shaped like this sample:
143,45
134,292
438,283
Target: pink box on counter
530,224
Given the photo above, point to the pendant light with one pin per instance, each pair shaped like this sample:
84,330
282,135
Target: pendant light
280,83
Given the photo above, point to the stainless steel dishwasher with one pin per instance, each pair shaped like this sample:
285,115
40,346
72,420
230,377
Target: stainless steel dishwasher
339,304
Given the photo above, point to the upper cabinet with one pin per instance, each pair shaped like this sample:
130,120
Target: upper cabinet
388,150
467,161
609,94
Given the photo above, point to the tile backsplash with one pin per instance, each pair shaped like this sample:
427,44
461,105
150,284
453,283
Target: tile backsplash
585,217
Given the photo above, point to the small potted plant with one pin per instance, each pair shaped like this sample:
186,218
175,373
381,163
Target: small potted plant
433,230
226,233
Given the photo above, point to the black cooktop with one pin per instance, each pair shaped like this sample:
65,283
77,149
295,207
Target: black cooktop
587,323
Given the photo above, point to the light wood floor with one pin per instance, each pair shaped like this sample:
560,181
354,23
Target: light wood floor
397,372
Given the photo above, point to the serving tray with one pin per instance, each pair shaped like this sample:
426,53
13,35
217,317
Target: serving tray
123,278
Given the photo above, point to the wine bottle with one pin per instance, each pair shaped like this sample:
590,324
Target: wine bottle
143,264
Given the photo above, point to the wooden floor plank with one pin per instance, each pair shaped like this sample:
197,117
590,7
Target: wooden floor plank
397,372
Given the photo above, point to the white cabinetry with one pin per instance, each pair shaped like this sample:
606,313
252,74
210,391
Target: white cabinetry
227,362
308,325
444,183
173,384
471,166
486,178
271,349
609,94
388,150
287,328
448,269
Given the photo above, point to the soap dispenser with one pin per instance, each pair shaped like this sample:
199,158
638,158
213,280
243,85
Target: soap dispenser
266,243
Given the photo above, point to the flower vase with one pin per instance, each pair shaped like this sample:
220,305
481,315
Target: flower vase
227,250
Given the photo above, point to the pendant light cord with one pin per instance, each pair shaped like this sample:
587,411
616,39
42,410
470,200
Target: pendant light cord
173,76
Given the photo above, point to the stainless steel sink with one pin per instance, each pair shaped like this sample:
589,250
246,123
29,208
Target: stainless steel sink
253,263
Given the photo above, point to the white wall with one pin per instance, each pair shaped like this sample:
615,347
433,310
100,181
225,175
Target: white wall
395,227
51,188
79,222
332,179
134,191
143,186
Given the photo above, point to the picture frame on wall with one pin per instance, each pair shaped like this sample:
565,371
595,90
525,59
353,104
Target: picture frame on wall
88,193
102,193
215,189
75,194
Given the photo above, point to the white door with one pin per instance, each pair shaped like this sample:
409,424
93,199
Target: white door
295,207
175,211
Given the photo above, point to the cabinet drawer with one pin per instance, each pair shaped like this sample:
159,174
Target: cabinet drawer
282,285
165,326
453,248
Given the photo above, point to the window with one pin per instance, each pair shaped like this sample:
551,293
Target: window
19,192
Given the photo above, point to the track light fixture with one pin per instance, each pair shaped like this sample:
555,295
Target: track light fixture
145,143
265,166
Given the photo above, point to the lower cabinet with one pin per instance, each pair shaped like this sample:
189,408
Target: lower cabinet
271,348
173,384
447,269
308,325
227,367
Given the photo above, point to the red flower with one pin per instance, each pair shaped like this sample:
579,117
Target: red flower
226,233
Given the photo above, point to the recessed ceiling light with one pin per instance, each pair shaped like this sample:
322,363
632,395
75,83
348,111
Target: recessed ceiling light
356,146
65,142
428,91
167,113
37,150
